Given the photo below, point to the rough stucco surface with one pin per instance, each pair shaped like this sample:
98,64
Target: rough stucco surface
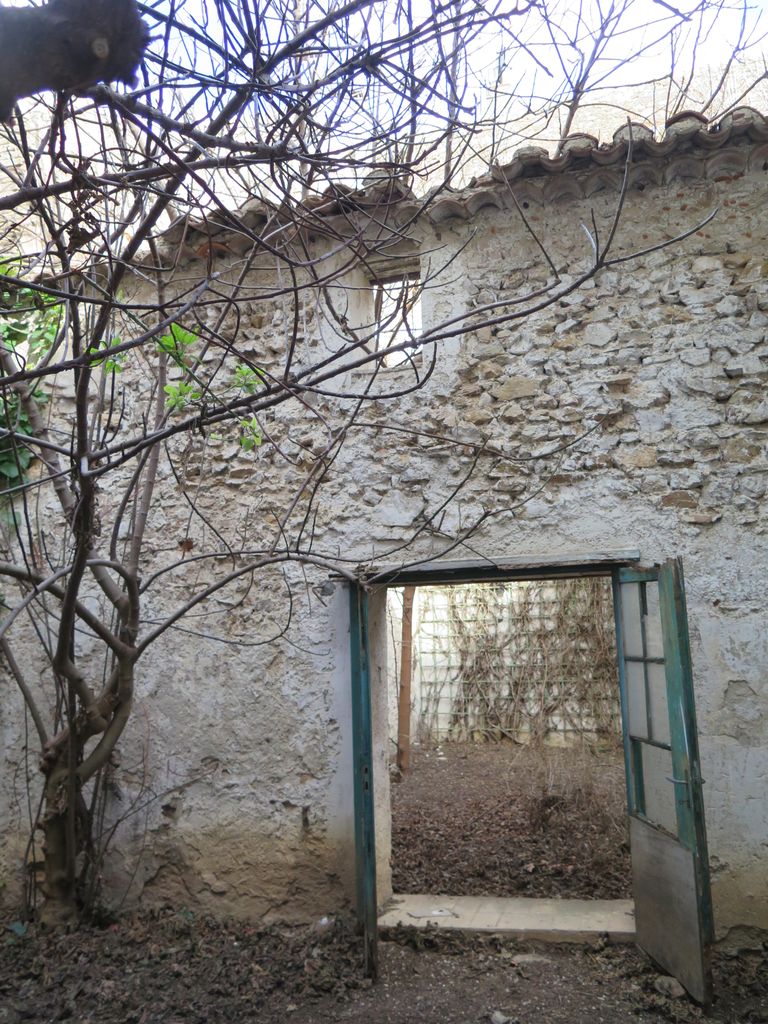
634,415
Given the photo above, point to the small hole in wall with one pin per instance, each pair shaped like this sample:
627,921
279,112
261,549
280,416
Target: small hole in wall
525,204
640,186
765,165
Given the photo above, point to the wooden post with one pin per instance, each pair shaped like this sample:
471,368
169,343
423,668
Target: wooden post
404,696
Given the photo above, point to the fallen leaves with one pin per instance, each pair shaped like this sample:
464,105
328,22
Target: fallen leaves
462,825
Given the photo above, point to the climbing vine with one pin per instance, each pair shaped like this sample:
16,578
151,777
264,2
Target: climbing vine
518,661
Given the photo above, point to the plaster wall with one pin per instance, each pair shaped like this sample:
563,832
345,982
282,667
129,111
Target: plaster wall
631,413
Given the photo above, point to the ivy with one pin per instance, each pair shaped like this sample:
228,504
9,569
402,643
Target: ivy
112,362
248,378
15,457
28,323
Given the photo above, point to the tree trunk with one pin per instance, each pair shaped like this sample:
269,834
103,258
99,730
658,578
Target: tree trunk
60,907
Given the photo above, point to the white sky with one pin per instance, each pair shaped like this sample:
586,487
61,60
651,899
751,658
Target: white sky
527,79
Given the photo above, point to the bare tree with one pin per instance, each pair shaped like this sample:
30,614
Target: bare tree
255,176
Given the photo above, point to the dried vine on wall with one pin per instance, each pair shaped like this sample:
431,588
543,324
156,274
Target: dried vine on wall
518,661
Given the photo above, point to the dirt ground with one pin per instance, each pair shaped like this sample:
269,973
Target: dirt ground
171,967
470,822
505,820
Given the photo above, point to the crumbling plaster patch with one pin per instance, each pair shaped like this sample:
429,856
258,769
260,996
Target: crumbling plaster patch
744,713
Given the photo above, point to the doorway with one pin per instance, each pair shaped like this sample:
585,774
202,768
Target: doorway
506,763
663,779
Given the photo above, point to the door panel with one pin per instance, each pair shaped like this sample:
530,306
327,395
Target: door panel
667,834
666,905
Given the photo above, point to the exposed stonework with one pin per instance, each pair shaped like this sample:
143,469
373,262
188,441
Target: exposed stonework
630,413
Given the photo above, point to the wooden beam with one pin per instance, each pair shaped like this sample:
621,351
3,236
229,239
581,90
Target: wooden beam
501,569
404,695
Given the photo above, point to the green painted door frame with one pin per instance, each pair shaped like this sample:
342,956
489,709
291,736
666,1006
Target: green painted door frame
362,754
681,858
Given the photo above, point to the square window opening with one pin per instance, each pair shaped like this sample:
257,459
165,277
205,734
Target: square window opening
397,319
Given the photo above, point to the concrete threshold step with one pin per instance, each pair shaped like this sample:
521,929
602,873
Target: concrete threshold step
542,919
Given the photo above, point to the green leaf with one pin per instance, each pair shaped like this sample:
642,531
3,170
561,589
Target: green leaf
250,434
114,363
29,327
175,342
181,336
181,395
248,378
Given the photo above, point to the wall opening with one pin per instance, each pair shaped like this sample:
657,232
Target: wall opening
504,740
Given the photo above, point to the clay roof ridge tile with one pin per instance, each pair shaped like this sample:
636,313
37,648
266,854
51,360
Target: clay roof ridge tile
746,120
688,136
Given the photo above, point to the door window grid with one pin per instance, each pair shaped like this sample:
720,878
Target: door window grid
645,665
648,715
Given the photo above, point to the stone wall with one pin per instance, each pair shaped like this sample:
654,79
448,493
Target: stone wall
630,413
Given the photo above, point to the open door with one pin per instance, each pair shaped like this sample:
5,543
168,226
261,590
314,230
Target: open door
362,756
670,870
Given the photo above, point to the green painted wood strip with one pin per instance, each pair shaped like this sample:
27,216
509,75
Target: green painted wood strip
686,761
362,754
629,775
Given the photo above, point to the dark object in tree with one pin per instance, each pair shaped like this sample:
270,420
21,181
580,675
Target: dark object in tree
67,44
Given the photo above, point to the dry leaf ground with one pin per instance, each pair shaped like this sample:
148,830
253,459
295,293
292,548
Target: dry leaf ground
476,818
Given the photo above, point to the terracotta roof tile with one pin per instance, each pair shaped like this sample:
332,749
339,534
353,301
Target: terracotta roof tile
691,148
